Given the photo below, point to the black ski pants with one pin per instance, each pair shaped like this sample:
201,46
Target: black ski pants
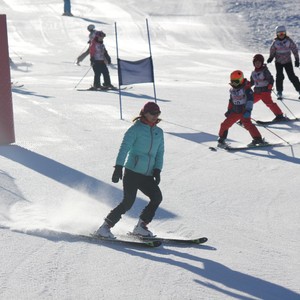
290,73
99,68
132,182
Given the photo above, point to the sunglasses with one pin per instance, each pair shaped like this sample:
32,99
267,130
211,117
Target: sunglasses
281,33
154,113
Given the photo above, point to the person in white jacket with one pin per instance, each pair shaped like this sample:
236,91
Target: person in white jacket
281,50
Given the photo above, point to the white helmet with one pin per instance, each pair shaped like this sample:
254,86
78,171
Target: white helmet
91,27
280,28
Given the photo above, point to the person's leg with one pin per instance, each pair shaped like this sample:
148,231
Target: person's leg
251,128
150,188
267,99
106,76
97,73
130,186
291,75
227,123
279,77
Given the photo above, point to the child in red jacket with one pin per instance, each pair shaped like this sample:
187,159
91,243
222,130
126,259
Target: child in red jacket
239,108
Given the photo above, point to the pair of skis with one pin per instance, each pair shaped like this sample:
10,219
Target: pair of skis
270,122
104,89
141,241
229,148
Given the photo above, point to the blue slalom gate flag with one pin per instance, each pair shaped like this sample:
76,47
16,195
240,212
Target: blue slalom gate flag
140,71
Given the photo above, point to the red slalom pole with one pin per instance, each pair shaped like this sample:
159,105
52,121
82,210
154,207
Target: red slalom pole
7,134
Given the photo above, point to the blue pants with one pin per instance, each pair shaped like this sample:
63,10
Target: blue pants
67,6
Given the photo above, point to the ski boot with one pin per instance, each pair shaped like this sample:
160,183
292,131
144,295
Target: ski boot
109,86
142,229
222,143
104,231
257,141
280,118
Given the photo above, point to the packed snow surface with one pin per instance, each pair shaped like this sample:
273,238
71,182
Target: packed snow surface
55,180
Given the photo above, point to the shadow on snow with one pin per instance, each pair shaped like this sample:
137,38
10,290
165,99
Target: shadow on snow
74,179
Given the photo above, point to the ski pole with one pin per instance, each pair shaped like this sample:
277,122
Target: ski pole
272,132
82,51
297,100
289,110
82,77
287,107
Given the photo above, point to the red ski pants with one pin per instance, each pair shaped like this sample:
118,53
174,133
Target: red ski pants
267,99
233,118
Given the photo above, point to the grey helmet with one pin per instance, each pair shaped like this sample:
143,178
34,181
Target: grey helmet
91,27
280,28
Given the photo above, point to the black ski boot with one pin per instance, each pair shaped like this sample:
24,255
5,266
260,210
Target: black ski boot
257,141
222,143
280,118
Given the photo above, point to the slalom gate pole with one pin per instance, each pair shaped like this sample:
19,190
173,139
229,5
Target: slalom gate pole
82,77
149,43
119,70
272,132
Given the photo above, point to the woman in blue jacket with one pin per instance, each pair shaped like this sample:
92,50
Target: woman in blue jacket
141,153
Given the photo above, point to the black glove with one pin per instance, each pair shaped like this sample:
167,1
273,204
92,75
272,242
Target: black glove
92,60
297,63
269,60
117,174
156,175
107,57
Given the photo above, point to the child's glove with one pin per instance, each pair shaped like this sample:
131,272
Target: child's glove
247,114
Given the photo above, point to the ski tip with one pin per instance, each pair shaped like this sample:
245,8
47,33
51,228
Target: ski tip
201,240
153,243
213,148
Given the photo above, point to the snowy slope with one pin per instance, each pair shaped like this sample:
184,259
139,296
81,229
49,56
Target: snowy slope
56,179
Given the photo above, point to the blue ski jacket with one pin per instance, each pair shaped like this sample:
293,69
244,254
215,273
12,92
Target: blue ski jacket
142,149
